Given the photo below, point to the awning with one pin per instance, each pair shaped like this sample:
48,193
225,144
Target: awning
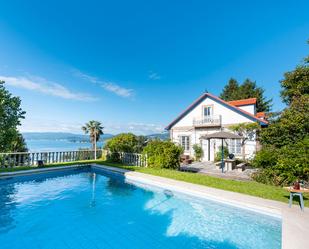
221,135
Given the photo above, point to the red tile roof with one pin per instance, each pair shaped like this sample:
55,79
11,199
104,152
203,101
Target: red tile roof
261,115
241,102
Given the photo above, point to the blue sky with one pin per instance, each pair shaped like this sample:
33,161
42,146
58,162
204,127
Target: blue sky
134,65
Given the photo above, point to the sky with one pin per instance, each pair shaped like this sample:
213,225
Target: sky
135,65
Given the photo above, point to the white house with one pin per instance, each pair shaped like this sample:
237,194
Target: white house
209,114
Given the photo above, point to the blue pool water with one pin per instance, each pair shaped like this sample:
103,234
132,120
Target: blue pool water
90,208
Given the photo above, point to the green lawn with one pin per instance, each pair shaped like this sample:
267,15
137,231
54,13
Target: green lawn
249,188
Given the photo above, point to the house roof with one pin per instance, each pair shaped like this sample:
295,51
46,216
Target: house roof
241,102
221,101
260,115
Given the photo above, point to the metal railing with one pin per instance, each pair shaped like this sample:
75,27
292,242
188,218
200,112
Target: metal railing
16,159
207,121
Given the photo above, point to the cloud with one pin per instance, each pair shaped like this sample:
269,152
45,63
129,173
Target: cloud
107,85
39,84
154,76
47,125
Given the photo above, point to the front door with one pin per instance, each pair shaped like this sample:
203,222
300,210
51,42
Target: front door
205,149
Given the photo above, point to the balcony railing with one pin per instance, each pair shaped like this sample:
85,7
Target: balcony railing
208,121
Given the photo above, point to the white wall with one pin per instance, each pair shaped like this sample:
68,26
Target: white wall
248,108
228,116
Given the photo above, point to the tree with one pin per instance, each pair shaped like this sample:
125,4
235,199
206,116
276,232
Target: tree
126,142
296,83
284,157
230,90
10,116
248,89
247,131
290,127
95,130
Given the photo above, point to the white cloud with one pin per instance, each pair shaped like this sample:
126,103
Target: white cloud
46,125
154,76
47,87
107,85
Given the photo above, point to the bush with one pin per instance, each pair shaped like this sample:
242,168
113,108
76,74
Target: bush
163,154
126,142
219,153
284,165
198,152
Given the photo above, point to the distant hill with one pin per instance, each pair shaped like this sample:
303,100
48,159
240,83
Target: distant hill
161,136
61,136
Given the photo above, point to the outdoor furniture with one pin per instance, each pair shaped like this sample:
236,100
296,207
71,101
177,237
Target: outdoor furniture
230,164
297,192
240,167
185,159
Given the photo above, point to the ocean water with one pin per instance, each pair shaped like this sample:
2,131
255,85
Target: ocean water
57,145
90,208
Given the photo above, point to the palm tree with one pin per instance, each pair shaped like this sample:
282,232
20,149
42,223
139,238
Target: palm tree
95,130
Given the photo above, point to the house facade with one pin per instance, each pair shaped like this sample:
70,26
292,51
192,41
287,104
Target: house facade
209,114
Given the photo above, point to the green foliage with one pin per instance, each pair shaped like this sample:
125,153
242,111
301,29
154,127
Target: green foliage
296,83
290,127
282,166
247,131
10,115
126,142
248,89
219,153
163,154
94,129
198,152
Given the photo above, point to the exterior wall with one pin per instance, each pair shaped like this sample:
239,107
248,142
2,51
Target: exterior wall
248,108
228,116
184,127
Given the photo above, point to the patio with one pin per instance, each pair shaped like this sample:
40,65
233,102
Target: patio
210,168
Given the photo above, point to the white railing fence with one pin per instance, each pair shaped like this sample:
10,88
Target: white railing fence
133,159
16,159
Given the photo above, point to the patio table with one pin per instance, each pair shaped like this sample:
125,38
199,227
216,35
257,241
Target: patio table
297,192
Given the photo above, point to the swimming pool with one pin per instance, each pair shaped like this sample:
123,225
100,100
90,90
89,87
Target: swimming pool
93,208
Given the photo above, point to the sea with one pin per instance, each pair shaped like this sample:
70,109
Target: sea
36,145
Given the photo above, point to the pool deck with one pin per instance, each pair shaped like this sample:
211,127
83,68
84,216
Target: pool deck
295,223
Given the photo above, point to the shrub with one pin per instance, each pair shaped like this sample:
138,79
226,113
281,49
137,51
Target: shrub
219,153
198,152
126,142
163,154
284,165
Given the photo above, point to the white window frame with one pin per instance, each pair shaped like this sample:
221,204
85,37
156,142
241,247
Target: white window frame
185,142
210,111
235,146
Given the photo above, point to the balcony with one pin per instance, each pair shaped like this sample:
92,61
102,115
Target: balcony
210,121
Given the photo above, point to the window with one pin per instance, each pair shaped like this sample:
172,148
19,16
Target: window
235,146
185,142
207,111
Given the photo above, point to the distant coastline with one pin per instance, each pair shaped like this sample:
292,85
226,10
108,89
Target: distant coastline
63,141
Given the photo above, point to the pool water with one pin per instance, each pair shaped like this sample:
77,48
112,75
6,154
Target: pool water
91,208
